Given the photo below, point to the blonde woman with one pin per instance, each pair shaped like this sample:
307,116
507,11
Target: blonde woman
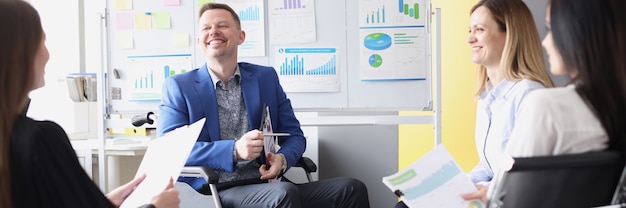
507,48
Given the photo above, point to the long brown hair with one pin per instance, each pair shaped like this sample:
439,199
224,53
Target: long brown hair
20,39
522,56
590,36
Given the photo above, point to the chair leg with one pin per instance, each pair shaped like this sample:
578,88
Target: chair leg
216,196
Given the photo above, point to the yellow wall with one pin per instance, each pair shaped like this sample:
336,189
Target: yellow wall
458,106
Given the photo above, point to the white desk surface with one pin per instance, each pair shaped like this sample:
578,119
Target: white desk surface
117,146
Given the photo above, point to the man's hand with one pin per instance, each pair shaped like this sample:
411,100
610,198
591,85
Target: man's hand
250,145
481,194
276,163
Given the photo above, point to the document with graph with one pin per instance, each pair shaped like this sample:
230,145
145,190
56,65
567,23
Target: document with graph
435,180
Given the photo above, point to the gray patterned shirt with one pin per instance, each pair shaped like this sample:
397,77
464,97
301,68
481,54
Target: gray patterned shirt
233,123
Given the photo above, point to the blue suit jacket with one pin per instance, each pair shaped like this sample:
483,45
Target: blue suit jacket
190,96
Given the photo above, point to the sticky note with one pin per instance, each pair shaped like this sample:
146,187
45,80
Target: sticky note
161,20
124,20
202,2
123,4
143,21
124,40
180,39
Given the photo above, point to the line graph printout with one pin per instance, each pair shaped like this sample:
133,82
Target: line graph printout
292,21
435,180
308,69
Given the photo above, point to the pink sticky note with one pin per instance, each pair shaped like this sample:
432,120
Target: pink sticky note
124,20
171,2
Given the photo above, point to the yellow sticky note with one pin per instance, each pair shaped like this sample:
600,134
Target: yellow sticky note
180,39
123,4
124,40
161,20
143,20
202,2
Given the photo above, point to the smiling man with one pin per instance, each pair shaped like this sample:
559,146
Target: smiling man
231,95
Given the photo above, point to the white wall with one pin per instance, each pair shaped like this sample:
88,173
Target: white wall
63,25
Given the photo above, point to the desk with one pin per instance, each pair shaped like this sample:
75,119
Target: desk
122,160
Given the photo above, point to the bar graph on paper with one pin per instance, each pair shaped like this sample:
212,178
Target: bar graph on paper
147,74
291,4
292,21
251,13
308,69
392,12
252,16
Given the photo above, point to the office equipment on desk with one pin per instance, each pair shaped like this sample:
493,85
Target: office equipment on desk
140,120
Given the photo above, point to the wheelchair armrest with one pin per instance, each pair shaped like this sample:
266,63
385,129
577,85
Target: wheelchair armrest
307,164
205,172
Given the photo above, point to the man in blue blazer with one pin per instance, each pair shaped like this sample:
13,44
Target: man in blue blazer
232,97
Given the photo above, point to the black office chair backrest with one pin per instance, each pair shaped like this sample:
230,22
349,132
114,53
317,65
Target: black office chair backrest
576,180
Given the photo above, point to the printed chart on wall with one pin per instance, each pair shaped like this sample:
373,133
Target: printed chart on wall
307,69
252,16
393,39
292,21
149,72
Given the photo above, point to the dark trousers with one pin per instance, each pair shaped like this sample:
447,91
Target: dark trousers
401,204
338,192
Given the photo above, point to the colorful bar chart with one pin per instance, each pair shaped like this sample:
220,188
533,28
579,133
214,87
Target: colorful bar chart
409,10
295,61
148,73
167,72
328,68
145,82
251,13
308,69
292,4
377,16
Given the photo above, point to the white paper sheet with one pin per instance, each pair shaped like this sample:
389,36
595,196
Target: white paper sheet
435,180
164,158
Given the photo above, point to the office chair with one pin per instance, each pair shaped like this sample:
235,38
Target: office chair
576,180
189,197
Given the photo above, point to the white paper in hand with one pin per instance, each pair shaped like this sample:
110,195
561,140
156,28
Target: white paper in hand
164,158
435,180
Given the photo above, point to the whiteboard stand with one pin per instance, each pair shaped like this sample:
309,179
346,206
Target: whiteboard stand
437,77
102,102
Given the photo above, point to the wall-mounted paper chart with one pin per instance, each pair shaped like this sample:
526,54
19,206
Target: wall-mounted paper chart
307,69
147,74
252,16
392,12
292,21
393,40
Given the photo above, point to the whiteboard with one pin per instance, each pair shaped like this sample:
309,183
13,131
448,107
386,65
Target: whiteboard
337,27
